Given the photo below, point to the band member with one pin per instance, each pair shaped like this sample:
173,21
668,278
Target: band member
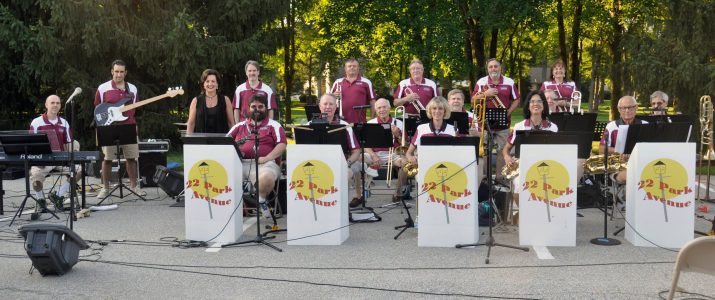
658,103
536,113
553,106
415,88
455,98
209,112
380,156
252,86
499,90
111,92
328,106
438,110
271,145
58,132
560,84
353,90
627,107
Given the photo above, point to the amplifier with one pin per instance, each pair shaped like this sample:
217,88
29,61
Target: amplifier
153,145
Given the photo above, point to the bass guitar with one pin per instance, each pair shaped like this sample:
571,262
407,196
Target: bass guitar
108,113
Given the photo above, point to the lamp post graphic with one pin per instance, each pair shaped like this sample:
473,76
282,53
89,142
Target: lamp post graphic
660,168
543,170
204,171
441,171
309,169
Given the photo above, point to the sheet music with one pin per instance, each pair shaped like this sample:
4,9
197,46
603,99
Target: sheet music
621,138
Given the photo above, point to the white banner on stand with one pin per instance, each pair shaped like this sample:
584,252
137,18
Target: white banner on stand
547,195
317,195
447,202
659,192
213,196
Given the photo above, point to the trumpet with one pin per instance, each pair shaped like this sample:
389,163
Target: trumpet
575,101
417,104
339,99
401,150
479,109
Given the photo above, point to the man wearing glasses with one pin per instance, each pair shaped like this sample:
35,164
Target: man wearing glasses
627,109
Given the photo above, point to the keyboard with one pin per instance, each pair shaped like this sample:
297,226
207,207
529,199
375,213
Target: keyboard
54,157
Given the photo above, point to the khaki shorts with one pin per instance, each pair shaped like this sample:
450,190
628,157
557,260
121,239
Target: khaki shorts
249,170
38,173
500,139
131,151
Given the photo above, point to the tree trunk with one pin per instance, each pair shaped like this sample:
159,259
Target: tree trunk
617,62
289,59
593,83
575,49
563,53
470,25
493,43
478,42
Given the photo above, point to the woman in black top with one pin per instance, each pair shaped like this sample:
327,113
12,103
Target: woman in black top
206,113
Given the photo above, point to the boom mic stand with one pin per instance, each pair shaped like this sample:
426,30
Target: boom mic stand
490,239
260,238
73,169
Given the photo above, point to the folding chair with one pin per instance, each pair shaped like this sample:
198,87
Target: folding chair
698,256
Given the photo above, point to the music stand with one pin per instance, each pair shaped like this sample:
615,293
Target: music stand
496,117
656,133
370,136
500,118
310,111
117,135
460,121
528,137
574,122
25,144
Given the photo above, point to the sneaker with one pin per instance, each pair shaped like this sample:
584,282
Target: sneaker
356,202
139,191
265,210
396,199
103,193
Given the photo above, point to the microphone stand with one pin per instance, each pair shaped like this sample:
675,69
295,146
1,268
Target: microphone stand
363,209
490,239
73,170
605,240
260,238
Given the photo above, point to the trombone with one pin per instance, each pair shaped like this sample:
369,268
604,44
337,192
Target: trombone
399,150
494,99
706,139
479,110
417,104
339,99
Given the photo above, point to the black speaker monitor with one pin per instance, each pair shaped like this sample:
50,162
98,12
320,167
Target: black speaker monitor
53,248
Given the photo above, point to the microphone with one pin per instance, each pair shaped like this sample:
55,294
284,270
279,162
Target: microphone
77,91
362,106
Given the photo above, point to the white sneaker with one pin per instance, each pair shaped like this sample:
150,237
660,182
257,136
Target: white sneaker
139,191
265,210
103,193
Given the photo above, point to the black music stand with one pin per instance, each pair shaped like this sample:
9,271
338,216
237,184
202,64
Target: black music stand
500,119
460,121
574,122
497,118
370,136
117,135
26,144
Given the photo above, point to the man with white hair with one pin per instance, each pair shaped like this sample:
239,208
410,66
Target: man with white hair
658,103
380,156
627,107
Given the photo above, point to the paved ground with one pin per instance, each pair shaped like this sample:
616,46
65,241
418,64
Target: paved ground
139,261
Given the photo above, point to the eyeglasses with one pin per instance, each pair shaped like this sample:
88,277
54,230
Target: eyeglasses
656,103
628,108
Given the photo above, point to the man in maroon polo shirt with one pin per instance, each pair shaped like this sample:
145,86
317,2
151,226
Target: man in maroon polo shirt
58,132
497,86
252,86
111,92
415,88
271,145
354,90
